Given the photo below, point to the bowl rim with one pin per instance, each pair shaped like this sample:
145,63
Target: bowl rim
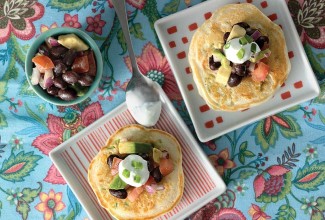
33,50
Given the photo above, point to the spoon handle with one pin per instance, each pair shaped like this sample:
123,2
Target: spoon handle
119,6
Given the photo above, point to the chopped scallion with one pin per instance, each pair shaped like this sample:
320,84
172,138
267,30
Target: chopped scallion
227,45
243,41
253,48
137,178
241,53
137,164
126,173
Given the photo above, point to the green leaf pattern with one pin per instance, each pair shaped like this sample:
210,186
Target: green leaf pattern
286,212
26,163
311,176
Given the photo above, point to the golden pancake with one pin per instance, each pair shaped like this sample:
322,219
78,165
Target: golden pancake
210,35
147,206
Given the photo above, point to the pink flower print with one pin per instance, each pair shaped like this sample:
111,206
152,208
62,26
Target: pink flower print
228,213
71,21
95,24
72,122
18,18
272,184
155,66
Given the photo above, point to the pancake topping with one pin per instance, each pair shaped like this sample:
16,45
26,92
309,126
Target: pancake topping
138,167
244,53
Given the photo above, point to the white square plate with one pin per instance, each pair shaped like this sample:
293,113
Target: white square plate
175,33
72,158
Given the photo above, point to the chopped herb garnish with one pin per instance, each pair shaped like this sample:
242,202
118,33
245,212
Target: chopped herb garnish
240,54
137,164
126,173
243,41
227,45
253,48
137,178
249,39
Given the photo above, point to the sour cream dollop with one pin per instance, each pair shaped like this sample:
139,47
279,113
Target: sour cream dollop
133,170
239,53
146,114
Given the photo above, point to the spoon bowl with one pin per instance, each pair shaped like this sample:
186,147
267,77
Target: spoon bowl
142,94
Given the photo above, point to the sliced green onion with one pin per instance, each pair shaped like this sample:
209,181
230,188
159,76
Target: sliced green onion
126,173
137,178
253,48
240,54
136,164
227,45
249,39
243,41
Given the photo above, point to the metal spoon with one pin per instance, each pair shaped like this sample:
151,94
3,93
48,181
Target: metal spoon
142,94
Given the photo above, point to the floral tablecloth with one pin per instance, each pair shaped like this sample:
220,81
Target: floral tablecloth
274,168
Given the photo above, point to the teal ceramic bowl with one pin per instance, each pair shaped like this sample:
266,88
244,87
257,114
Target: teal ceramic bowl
34,49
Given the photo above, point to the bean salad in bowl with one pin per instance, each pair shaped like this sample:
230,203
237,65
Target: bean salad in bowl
64,66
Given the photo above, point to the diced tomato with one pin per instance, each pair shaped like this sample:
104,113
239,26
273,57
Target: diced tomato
43,63
80,64
134,193
260,72
150,181
115,163
166,166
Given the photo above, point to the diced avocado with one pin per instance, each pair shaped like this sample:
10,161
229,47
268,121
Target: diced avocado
236,31
225,68
218,55
223,74
117,183
157,154
72,41
129,147
259,56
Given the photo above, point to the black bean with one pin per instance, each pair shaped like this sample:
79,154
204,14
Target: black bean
53,90
262,40
110,159
120,193
144,156
59,51
243,25
69,57
156,174
59,67
85,80
44,49
213,65
70,77
60,83
150,165
234,80
240,69
67,94
225,36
